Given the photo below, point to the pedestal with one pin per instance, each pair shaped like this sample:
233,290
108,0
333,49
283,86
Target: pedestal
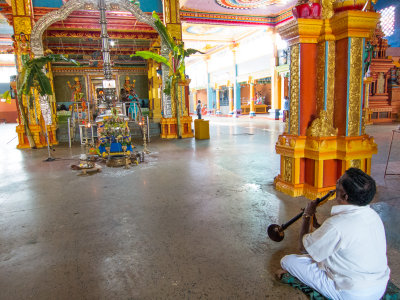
169,127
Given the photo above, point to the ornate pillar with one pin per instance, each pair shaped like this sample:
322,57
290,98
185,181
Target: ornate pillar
22,23
230,95
252,97
217,100
324,134
169,126
155,85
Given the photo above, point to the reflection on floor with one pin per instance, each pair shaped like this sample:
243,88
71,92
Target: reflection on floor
188,223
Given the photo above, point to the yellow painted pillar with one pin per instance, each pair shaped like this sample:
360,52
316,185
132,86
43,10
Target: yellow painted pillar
155,85
194,93
217,100
252,97
172,18
22,23
275,83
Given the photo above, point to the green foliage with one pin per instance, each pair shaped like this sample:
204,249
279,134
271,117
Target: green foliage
6,96
150,55
177,55
32,74
163,31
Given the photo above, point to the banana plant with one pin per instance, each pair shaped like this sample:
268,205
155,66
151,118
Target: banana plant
175,63
33,76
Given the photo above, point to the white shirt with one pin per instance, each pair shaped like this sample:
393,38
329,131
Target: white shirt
351,247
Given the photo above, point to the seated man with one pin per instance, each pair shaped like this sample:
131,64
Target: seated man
347,255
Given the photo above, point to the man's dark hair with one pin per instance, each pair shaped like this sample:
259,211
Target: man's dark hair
359,187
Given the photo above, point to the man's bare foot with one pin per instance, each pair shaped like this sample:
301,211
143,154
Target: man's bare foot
279,273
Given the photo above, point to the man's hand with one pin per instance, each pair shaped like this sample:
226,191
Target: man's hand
309,211
311,208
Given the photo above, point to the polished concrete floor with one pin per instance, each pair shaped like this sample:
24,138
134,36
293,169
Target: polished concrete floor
189,223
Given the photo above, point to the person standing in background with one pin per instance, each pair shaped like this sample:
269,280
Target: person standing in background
198,109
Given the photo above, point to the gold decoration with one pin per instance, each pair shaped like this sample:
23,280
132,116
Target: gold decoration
327,8
354,23
322,126
355,163
294,89
90,6
20,7
287,167
330,92
175,30
354,109
363,123
22,24
320,76
301,31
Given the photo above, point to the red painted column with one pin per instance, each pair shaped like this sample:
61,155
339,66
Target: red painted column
308,85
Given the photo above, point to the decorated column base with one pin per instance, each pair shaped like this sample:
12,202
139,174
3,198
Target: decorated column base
38,136
310,166
169,127
252,114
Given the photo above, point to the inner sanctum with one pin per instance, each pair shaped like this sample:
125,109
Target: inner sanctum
257,107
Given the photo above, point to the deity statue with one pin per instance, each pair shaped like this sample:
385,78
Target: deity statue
128,86
76,90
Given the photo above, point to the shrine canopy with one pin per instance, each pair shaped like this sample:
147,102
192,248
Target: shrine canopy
145,5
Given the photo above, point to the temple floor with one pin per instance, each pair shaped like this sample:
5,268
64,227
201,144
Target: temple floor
188,223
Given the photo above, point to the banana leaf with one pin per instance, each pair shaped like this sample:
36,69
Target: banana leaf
163,31
44,85
191,51
150,55
32,74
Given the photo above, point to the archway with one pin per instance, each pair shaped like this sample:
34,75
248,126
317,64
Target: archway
61,14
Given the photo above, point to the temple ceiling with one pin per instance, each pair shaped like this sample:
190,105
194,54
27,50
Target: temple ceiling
237,12
207,25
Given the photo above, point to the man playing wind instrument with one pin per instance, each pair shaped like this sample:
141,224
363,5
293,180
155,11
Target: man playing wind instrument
346,256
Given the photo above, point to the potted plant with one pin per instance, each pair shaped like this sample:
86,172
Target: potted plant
34,76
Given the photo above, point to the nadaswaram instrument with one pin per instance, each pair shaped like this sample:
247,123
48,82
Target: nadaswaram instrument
276,232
